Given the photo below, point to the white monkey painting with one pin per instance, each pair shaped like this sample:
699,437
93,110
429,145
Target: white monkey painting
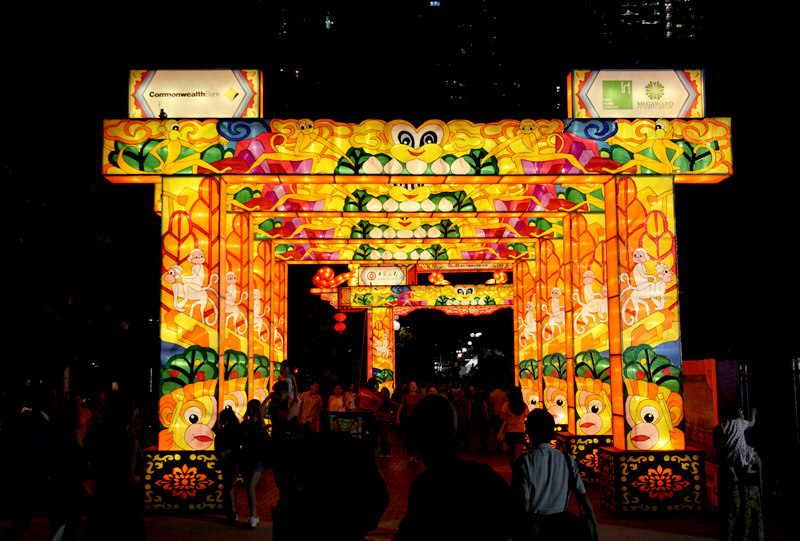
644,287
594,307
259,326
189,287
231,305
556,313
527,327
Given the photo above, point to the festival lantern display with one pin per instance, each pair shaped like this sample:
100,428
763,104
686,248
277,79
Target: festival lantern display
578,212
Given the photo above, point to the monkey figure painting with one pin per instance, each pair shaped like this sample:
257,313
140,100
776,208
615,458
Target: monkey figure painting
176,142
527,326
644,287
191,287
188,413
232,305
259,311
555,323
537,142
594,305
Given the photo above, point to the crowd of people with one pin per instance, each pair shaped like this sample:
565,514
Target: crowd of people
73,458
436,421
86,454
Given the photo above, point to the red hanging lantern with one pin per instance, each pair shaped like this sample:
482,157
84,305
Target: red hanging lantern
339,327
340,317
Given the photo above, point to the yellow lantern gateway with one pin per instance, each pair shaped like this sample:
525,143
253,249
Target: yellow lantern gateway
579,212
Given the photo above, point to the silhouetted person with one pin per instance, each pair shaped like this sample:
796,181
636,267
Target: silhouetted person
68,465
337,490
253,437
227,445
453,498
117,464
541,482
32,440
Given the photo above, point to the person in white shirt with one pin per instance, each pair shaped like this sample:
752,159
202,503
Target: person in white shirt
541,482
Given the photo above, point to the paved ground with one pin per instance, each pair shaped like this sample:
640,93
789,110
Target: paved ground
399,474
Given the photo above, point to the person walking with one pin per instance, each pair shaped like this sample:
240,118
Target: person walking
541,482
310,408
513,414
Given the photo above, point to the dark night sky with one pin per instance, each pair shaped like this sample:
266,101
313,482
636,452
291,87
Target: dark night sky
85,253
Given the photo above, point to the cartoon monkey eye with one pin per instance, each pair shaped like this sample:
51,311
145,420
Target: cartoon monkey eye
193,415
429,138
460,291
650,414
661,126
559,401
405,138
173,126
595,406
469,291
534,401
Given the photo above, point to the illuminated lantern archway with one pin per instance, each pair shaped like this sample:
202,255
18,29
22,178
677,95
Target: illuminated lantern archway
579,211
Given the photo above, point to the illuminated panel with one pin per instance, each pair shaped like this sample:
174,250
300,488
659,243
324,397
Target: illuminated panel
492,151
651,357
189,313
383,360
591,364
525,335
553,332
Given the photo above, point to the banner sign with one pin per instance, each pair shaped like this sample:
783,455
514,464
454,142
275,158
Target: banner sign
195,94
636,94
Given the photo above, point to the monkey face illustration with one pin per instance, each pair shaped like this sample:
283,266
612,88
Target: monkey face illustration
197,257
555,400
235,396
189,422
640,255
650,423
531,397
409,143
594,411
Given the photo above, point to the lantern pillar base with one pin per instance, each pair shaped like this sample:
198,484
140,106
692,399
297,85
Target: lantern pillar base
584,449
652,483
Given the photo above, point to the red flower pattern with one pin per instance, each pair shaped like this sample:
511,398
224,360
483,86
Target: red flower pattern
184,482
660,483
